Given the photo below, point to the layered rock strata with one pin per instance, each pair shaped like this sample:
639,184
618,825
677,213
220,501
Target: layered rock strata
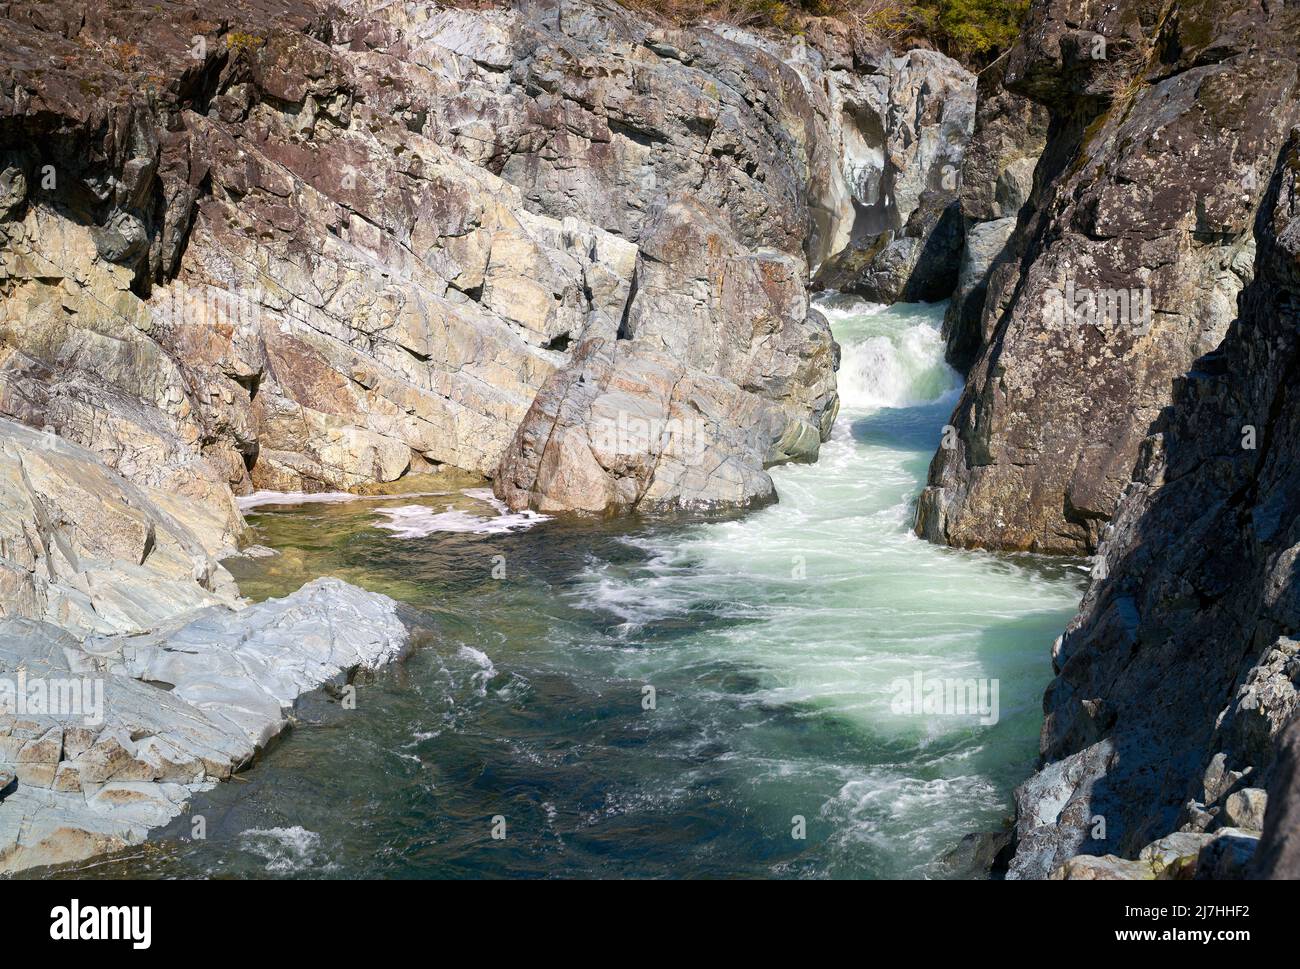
282,245
148,721
131,674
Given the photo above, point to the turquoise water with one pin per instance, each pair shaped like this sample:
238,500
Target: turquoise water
774,642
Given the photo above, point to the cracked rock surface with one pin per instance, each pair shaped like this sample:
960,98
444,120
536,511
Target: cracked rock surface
1179,675
182,708
1157,158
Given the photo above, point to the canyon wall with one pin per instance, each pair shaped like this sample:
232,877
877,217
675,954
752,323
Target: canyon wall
1180,672
1158,435
996,189
306,246
1165,122
291,246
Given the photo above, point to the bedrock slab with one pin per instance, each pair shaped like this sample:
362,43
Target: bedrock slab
163,716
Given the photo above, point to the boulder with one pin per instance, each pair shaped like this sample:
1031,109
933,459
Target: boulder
1246,809
653,416
1223,856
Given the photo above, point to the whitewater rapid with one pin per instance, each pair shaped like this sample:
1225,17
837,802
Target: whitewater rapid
830,597
647,698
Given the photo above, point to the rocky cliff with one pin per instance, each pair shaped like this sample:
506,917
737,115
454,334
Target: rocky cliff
1129,315
301,246
1166,120
1180,672
997,182
906,245
1131,393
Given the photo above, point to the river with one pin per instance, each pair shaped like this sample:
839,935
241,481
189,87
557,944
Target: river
691,698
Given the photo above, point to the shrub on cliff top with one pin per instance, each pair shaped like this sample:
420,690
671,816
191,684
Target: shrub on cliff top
972,31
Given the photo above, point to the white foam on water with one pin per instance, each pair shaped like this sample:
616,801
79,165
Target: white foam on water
285,849
828,598
887,360
477,656
486,668
259,498
412,521
419,521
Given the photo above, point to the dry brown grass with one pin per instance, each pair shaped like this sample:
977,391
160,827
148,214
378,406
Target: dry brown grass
974,31
874,22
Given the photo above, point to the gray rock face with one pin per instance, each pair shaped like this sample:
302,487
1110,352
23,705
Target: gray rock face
160,717
329,299
1179,674
324,248
131,674
91,552
1246,809
918,263
997,179
654,416
1159,153
907,240
1279,847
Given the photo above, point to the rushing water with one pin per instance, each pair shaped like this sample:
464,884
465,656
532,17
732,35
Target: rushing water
774,643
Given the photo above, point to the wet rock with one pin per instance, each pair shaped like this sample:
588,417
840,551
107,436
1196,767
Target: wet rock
167,714
979,855
258,552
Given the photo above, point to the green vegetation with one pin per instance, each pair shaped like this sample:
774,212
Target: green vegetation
973,31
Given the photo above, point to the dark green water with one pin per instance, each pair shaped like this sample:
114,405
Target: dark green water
773,641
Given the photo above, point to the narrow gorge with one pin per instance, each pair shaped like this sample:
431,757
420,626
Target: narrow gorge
530,405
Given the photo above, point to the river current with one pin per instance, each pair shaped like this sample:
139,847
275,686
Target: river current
732,696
